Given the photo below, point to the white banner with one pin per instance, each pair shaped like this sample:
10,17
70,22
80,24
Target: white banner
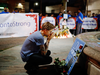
71,23
18,24
52,20
90,23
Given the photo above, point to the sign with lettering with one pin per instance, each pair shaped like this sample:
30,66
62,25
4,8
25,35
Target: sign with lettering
18,24
48,19
74,54
90,23
71,23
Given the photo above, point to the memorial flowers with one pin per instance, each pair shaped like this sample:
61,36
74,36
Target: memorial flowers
60,66
62,33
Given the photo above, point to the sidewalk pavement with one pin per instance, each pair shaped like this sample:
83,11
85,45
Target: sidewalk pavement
11,63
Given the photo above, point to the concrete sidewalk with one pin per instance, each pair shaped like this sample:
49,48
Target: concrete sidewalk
11,63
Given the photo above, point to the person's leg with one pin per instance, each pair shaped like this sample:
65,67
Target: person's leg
80,28
39,25
77,31
38,59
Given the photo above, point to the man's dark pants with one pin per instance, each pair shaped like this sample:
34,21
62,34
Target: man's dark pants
38,59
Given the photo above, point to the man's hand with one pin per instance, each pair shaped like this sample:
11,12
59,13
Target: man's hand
44,47
51,36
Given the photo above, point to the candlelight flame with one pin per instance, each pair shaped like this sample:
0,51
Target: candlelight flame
64,36
62,33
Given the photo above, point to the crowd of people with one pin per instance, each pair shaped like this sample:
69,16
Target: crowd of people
78,15
6,10
79,20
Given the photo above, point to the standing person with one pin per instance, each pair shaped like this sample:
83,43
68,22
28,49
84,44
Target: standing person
79,22
60,15
31,11
69,15
34,51
8,10
93,15
84,15
5,11
76,16
46,15
15,10
52,15
40,17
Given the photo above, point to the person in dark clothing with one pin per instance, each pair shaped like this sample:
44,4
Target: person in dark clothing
40,17
5,11
15,10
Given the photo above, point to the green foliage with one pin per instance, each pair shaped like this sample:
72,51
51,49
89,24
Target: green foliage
61,66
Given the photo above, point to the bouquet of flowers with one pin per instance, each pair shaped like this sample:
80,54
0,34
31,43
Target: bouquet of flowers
60,66
61,32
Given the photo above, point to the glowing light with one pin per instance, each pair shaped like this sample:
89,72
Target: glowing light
1,7
36,4
20,5
64,36
62,33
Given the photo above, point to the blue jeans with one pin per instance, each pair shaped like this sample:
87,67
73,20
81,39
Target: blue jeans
79,28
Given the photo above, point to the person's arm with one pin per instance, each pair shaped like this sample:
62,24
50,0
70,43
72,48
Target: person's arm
44,47
57,21
80,18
